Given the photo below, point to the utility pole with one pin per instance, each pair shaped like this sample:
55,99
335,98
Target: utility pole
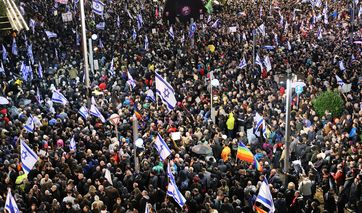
135,137
287,119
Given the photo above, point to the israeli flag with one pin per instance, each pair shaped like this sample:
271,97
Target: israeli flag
264,197
38,96
192,30
276,39
29,125
267,63
58,97
165,91
83,111
341,65
261,29
100,44
173,191
171,33
108,176
24,71
319,33
5,53
259,120
40,71
101,25
14,48
150,95
289,46
51,34
147,208
146,43
139,21
10,204
98,7
243,63
28,157
96,113
2,69
134,34
32,25
162,148
30,53
111,68
131,82
340,82
72,145
215,24
258,61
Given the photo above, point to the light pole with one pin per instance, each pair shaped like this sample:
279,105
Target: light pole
287,119
90,46
84,44
135,137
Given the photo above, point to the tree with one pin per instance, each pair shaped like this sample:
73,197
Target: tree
330,101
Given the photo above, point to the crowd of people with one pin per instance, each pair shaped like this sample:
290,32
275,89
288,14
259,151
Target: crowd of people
313,39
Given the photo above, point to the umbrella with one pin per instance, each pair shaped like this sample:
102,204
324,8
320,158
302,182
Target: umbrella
202,149
4,101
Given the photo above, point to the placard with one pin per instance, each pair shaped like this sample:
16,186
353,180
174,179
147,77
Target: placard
67,17
176,136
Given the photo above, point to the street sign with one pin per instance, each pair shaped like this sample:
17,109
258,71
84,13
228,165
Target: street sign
114,119
298,89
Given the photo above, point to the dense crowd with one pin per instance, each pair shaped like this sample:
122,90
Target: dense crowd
311,40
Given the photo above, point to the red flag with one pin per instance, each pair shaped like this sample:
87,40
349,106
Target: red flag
156,12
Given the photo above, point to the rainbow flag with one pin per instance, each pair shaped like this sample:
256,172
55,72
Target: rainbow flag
244,153
137,112
259,210
257,165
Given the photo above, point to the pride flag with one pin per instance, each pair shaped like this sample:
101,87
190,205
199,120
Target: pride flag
244,153
257,165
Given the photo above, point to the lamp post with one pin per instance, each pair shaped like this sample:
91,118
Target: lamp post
84,44
90,46
135,137
287,119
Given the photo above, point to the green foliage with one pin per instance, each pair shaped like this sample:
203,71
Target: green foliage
330,101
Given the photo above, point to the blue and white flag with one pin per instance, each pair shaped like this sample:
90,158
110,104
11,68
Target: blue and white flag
319,33
5,53
276,39
171,33
30,53
111,68
340,82
51,34
58,97
261,29
40,71
264,196
72,145
38,96
146,43
29,125
259,120
77,38
147,208
24,71
243,63
131,82
98,7
172,189
28,157
341,65
165,91
100,44
139,21
2,69
150,95
267,63
14,48
134,34
32,25
162,148
101,25
192,30
10,204
258,61
215,24
96,113
288,45
118,22
83,111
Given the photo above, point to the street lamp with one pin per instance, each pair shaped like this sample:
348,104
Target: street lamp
90,46
287,118
84,44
